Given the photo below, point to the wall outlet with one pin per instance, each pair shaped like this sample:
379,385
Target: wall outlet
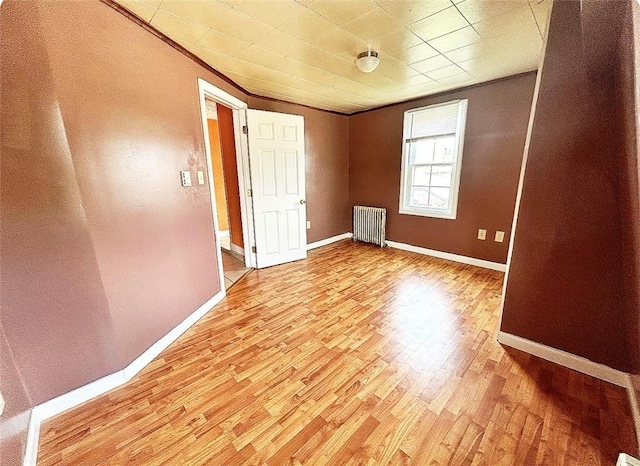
308,224
200,177
499,236
185,177
482,234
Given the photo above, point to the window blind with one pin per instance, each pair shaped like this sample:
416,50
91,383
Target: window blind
434,121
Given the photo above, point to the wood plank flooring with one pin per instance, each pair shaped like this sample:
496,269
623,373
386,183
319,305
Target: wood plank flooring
358,355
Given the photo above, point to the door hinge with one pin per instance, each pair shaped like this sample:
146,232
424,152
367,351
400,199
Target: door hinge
245,129
249,193
253,249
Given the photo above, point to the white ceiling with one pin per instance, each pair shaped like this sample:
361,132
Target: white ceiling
304,51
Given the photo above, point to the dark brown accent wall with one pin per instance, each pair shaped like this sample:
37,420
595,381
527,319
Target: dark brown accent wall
227,141
496,126
565,282
629,46
327,167
102,251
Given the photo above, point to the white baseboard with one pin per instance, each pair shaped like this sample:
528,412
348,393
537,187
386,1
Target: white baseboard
324,242
55,406
448,256
237,249
563,358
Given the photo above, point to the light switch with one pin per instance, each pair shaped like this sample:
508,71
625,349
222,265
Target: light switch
185,176
200,177
308,224
482,234
1,404
499,236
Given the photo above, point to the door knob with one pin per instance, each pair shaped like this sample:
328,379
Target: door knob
302,202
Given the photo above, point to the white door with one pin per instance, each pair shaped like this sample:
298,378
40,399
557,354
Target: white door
276,157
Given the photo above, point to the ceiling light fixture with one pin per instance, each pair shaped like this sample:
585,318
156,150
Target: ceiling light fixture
367,61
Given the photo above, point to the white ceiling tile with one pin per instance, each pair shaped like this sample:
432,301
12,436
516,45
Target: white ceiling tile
455,40
410,11
342,43
468,52
179,28
271,12
393,69
213,40
259,56
417,53
478,10
342,12
439,24
370,26
445,72
279,42
431,64
308,25
515,20
396,43
310,59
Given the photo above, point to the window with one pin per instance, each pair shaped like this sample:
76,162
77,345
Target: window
431,159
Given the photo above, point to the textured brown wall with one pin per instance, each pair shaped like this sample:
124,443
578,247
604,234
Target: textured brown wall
630,104
102,251
496,126
227,139
327,167
564,286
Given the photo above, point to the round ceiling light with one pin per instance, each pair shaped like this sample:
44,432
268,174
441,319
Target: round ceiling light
367,61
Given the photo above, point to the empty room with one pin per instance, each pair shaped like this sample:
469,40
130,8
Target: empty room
319,232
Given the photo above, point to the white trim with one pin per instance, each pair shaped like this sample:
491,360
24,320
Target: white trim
635,409
324,242
563,358
523,166
55,406
448,256
224,233
405,174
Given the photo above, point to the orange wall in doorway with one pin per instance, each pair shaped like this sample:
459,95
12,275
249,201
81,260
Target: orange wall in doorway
218,175
225,122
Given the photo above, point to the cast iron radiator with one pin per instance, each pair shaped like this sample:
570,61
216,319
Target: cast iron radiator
369,224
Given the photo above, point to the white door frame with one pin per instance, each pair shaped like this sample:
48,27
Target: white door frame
239,109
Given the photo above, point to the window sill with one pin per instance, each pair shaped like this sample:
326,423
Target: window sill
425,213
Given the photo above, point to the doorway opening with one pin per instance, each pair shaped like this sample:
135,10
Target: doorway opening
223,160
229,136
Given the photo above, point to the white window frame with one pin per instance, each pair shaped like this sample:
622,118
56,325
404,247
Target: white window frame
405,172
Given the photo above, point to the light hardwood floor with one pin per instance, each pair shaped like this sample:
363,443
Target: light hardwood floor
358,355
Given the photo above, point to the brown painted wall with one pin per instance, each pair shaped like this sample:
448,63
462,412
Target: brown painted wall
17,409
227,139
494,142
630,102
102,251
327,167
564,285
